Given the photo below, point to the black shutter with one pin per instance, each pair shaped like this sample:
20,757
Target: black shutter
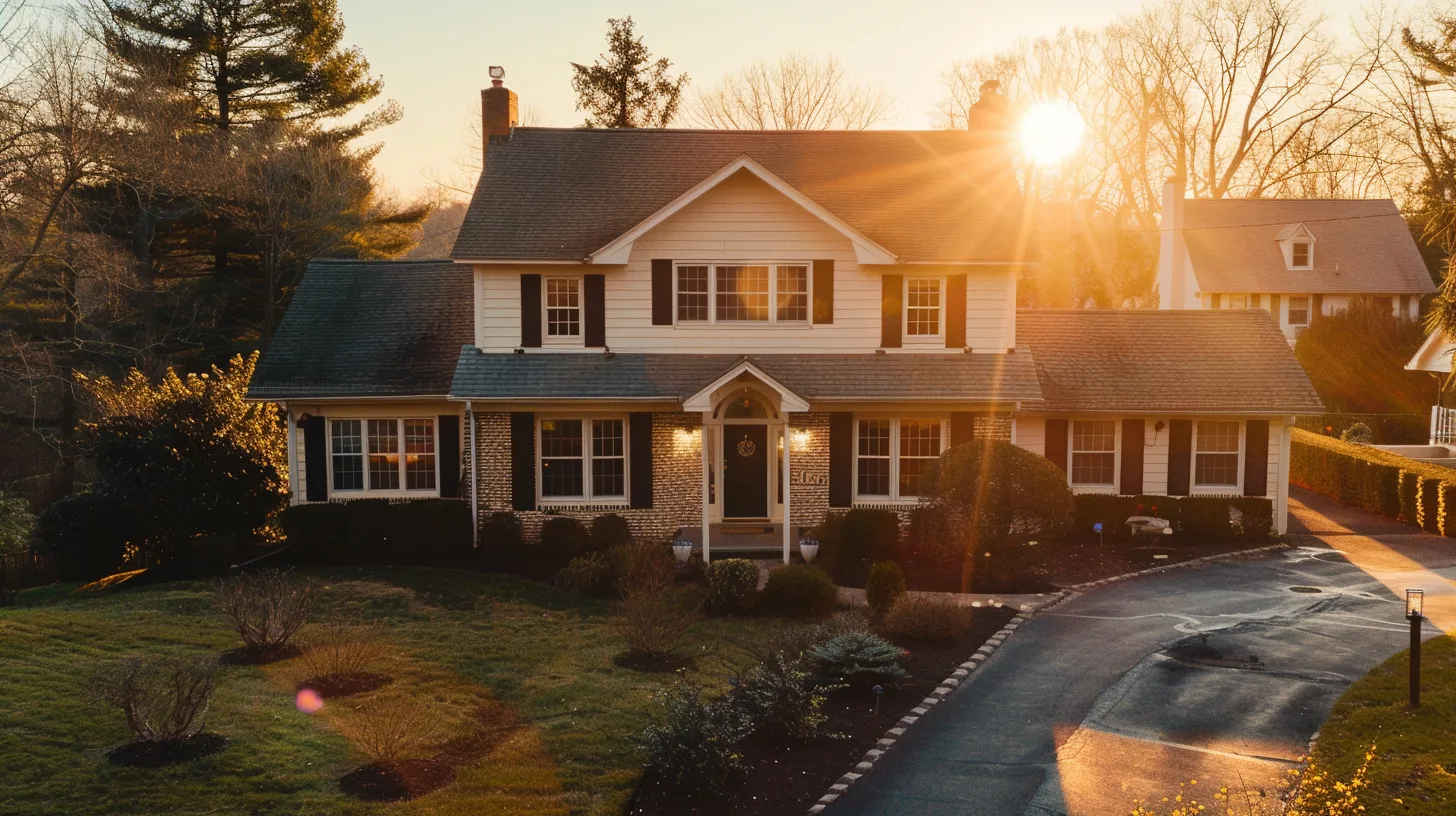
1316,308
449,456
1217,301
316,458
1256,457
661,292
1180,456
1056,442
594,309
1131,481
955,311
530,311
841,459
639,460
962,427
523,461
891,287
824,292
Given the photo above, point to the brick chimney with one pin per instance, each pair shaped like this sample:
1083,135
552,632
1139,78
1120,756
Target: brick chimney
498,107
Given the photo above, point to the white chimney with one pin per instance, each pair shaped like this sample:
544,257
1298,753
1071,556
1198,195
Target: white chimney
1172,251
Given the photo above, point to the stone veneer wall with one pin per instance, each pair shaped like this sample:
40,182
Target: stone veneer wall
809,471
993,426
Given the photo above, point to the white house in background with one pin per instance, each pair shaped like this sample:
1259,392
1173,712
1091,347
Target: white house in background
1435,355
1294,258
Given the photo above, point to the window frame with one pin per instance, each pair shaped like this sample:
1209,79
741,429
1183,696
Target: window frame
773,294
588,494
1307,309
1094,487
894,496
1294,246
1218,489
940,308
402,453
549,339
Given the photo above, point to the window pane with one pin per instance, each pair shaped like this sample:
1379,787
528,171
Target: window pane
692,293
1217,461
874,477
922,307
1094,436
563,307
606,437
609,478
348,449
1301,254
874,437
561,458
561,478
1093,468
383,454
793,294
919,445
874,457
561,437
1221,437
742,293
419,454
1299,311
1094,443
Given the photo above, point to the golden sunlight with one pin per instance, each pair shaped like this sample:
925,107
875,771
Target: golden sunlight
1051,131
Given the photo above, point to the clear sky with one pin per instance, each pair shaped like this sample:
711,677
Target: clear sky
433,54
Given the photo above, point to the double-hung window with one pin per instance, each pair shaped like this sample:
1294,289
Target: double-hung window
1094,452
891,455
1300,255
1216,454
387,455
563,308
583,459
922,307
1299,311
745,293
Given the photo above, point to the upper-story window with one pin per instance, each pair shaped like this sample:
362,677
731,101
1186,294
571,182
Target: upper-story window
563,307
922,307
742,293
1301,255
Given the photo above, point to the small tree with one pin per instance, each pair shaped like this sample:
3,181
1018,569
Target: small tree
1356,360
16,523
164,699
266,607
627,88
993,497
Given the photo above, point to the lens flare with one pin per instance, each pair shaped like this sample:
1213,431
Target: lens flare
309,701
1051,131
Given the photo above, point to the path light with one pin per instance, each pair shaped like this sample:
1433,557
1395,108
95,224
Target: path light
879,692
1097,528
1415,601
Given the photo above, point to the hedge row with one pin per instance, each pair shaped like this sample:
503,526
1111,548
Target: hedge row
1195,519
429,532
1376,481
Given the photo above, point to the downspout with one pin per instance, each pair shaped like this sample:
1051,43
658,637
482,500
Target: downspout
292,453
1281,491
474,490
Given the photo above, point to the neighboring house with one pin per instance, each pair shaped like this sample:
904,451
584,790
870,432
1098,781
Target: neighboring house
1294,258
1435,355
722,335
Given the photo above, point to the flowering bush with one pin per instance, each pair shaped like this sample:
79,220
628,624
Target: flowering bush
1313,792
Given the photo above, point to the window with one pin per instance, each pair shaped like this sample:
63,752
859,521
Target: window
1300,255
891,455
1299,311
922,307
1216,461
1238,301
563,307
580,467
742,293
1094,452
382,454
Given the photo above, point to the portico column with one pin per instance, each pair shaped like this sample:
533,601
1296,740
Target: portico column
703,446
788,489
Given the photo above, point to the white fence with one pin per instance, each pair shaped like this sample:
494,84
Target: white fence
1443,425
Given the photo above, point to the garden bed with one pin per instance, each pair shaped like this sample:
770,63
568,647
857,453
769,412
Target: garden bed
1083,559
787,777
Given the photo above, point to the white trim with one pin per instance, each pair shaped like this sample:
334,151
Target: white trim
619,250
563,342
893,497
937,339
588,438
703,399
370,492
292,426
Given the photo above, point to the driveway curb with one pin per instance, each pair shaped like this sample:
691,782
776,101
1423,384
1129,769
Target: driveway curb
950,684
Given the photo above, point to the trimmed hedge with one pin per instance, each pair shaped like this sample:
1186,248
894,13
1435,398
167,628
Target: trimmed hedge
1374,480
852,540
1195,519
428,532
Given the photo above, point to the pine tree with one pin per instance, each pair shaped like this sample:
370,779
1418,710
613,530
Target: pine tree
627,88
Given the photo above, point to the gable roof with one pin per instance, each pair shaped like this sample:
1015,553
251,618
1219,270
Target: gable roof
550,194
1361,246
1233,361
369,328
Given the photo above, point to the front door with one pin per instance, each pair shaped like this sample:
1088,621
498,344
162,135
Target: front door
745,471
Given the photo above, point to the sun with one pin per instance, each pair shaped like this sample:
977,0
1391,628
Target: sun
1051,131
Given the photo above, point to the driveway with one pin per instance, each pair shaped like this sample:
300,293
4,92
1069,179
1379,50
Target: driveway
1218,673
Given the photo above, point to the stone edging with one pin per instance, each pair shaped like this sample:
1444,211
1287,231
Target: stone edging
1193,562
885,743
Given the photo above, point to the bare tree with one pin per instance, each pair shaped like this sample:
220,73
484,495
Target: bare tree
794,92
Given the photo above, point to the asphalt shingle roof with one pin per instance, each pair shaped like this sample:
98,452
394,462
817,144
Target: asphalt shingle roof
549,194
1359,246
369,328
1177,362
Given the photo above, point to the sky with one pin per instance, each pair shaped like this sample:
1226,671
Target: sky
433,54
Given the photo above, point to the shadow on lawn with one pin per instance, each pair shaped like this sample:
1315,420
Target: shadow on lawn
161,753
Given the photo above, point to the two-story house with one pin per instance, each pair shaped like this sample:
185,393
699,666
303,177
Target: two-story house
722,335
1294,258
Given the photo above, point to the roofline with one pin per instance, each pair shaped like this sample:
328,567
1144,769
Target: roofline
570,261
362,397
522,262
701,400
538,398
1181,412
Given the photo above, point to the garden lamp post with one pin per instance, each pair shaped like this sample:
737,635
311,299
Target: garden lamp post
1414,604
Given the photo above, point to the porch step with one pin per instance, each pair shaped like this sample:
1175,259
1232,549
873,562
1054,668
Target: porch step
739,537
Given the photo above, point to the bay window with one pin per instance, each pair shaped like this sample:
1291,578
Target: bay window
891,455
583,459
383,455
741,293
1094,452
1216,454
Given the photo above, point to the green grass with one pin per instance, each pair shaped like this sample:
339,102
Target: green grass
544,654
1414,769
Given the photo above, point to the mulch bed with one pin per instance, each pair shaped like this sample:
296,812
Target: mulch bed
397,781
334,686
161,753
787,777
1083,559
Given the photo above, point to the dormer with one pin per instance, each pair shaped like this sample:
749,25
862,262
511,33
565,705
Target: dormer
1297,244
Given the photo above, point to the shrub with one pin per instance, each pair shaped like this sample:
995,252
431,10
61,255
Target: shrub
732,586
861,537
391,728
267,607
607,531
859,658
315,532
82,534
795,641
1448,509
1257,520
799,591
431,532
589,574
781,699
693,742
370,532
502,544
335,650
1428,505
929,545
1206,518
641,567
884,585
16,523
1358,433
164,699
564,538
653,621
1356,475
1410,491
927,617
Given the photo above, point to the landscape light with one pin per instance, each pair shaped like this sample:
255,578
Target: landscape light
1415,601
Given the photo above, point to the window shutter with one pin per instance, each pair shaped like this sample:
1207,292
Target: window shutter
962,427
530,311
661,292
315,458
891,289
1180,456
1056,442
824,292
955,311
639,460
1131,481
449,429
1256,457
1316,308
1217,301
841,459
1256,301
1274,309
594,310
523,461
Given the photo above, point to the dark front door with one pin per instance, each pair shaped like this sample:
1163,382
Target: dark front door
745,471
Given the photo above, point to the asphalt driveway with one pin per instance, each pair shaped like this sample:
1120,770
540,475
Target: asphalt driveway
1218,673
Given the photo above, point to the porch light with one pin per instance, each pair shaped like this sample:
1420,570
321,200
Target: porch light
801,440
687,440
